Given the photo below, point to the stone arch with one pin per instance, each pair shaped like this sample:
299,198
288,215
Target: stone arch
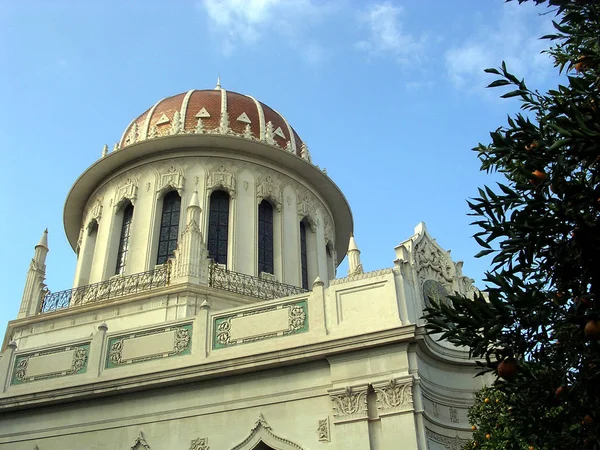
261,432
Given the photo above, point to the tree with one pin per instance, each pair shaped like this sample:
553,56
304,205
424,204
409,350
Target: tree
537,327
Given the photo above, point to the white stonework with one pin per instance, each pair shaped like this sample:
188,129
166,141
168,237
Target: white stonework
193,355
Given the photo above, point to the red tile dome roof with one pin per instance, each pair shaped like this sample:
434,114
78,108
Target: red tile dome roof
215,111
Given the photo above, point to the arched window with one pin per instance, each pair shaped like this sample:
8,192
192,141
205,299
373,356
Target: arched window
265,237
169,226
124,240
303,255
218,226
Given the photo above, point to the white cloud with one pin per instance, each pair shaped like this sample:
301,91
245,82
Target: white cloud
387,35
245,22
514,38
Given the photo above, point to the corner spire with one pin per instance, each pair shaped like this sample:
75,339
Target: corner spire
218,86
354,264
43,240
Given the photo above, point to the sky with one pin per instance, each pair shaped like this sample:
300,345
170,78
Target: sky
389,96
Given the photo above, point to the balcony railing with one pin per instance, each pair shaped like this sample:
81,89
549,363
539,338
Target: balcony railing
115,287
240,283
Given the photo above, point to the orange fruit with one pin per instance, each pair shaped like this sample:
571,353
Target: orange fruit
507,369
592,329
488,436
486,400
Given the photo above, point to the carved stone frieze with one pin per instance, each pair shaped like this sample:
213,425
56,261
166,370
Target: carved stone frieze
323,430
349,403
199,444
450,443
394,396
269,188
172,178
127,190
221,178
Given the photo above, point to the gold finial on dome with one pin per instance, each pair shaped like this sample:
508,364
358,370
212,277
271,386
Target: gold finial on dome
218,86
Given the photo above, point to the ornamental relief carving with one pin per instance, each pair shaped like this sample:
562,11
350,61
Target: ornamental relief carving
199,444
94,212
140,443
132,136
221,178
450,443
307,209
127,190
349,403
323,430
171,178
270,189
431,262
394,396
78,365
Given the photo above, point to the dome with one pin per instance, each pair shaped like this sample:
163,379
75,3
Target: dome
214,111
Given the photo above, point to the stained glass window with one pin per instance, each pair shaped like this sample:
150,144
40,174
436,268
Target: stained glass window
218,226
303,258
265,237
124,240
169,226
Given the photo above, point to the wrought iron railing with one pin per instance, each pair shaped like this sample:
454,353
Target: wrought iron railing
115,287
240,283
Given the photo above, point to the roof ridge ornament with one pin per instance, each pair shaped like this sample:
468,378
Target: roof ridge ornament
218,86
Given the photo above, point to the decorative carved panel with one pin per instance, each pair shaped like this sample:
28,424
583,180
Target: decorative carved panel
199,444
270,189
127,190
349,403
221,178
54,363
394,396
323,430
172,178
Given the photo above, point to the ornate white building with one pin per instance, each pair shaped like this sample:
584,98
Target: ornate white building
206,313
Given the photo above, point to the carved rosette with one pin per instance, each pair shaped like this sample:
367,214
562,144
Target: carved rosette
269,189
393,396
221,178
323,430
172,178
126,191
349,403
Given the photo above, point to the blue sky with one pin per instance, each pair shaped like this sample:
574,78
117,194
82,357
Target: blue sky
389,96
